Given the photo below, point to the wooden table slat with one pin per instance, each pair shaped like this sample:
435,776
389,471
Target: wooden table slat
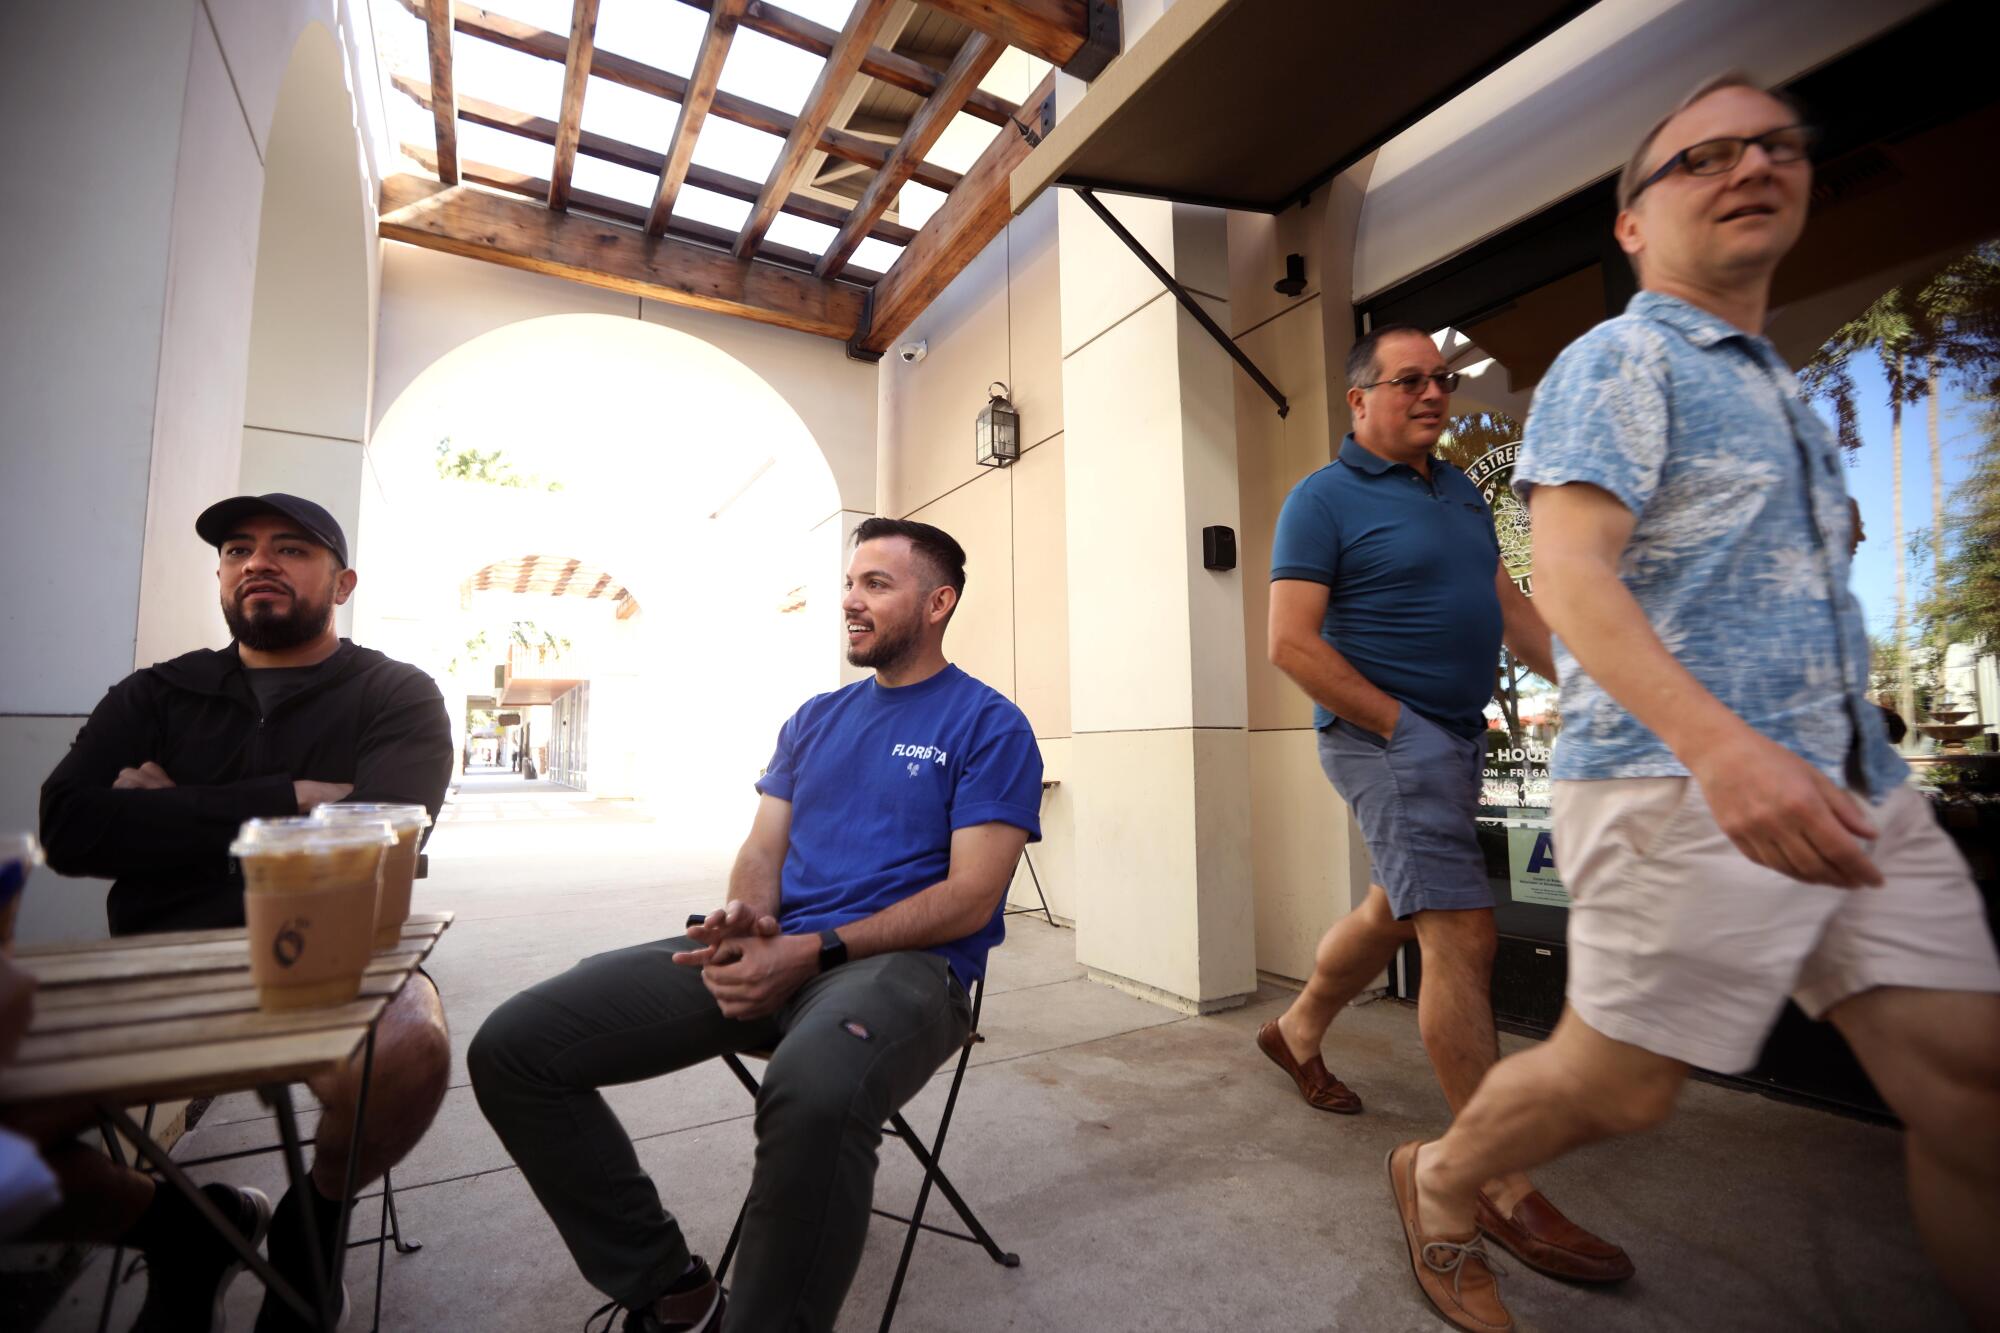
183,1072
116,1023
167,1000
199,1030
428,924
129,965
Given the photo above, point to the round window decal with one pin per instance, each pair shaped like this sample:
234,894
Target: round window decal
1493,473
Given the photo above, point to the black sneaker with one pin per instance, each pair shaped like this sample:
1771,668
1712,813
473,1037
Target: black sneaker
695,1306
187,1280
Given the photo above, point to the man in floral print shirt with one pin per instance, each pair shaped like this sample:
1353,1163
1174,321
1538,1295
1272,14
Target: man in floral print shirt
1731,820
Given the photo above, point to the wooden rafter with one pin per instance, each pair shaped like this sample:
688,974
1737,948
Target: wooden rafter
842,63
463,220
444,105
530,40
969,220
576,78
891,67
715,40
604,206
475,111
1080,37
975,57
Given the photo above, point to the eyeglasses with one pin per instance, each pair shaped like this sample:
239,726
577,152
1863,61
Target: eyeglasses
1446,380
1712,157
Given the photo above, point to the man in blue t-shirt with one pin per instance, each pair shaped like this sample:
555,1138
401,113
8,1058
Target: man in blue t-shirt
860,908
1389,604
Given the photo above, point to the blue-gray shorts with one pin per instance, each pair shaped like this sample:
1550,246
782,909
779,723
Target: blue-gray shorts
1416,798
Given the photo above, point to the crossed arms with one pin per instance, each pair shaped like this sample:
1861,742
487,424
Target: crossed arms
751,968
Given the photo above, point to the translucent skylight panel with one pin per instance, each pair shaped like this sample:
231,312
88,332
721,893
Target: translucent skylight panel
961,143
767,70
876,256
718,210
553,15
661,33
833,13
601,177
479,143
516,81
737,149
916,204
623,113
402,42
800,233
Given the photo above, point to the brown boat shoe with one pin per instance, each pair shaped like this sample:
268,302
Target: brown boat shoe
1458,1277
1539,1236
1317,1084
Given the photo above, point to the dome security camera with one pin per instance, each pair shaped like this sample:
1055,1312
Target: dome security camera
911,353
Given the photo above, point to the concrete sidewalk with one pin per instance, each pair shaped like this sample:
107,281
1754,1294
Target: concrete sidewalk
1154,1171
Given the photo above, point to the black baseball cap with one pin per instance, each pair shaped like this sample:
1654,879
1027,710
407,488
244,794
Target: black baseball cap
225,517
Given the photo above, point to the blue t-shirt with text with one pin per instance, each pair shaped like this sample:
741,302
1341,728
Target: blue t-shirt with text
879,779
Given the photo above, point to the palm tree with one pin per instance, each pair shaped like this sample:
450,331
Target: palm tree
1892,328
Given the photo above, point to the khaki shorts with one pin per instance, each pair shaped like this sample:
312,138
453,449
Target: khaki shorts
1681,945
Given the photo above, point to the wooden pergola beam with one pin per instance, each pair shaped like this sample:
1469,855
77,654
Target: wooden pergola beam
715,40
530,40
970,219
842,63
891,67
1080,37
618,210
975,57
576,78
463,220
444,104
492,115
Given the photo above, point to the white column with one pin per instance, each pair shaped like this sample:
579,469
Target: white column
1159,771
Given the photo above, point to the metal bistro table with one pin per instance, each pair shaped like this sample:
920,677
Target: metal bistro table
147,1018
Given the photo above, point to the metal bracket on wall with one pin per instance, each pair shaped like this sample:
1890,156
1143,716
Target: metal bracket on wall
1186,298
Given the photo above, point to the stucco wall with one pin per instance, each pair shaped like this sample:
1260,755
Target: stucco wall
126,343
999,320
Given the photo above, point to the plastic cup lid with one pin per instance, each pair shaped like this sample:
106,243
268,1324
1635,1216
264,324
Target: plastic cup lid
301,833
400,817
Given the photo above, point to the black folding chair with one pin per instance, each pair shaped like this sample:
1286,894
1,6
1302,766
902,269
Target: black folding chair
933,1174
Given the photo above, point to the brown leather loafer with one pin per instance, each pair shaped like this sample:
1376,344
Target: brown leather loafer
1317,1084
1458,1277
1542,1238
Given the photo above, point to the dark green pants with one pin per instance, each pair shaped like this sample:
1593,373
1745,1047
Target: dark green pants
633,1014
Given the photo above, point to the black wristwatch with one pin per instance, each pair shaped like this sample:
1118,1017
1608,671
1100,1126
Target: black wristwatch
832,950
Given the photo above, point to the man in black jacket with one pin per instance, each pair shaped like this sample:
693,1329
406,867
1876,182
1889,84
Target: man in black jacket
175,758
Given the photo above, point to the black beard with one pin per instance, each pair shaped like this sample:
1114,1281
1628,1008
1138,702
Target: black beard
275,631
889,650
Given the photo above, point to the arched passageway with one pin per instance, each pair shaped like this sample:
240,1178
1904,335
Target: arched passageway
647,458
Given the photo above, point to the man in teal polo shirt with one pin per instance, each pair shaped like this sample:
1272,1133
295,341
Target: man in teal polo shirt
1389,604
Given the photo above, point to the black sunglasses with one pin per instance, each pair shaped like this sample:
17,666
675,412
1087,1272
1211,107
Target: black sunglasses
1712,157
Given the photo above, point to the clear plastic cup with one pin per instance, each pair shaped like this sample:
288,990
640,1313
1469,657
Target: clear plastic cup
309,897
399,868
19,855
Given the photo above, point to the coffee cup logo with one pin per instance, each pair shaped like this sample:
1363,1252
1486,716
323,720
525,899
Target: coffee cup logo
289,944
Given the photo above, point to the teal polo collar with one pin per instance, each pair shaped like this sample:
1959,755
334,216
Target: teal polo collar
1365,460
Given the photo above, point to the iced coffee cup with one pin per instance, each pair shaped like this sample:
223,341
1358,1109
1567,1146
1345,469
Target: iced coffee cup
19,855
309,892
399,867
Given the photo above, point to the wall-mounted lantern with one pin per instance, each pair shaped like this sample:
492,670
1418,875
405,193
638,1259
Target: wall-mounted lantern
998,440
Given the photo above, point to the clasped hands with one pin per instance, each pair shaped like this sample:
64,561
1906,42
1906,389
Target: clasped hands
748,965
149,776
